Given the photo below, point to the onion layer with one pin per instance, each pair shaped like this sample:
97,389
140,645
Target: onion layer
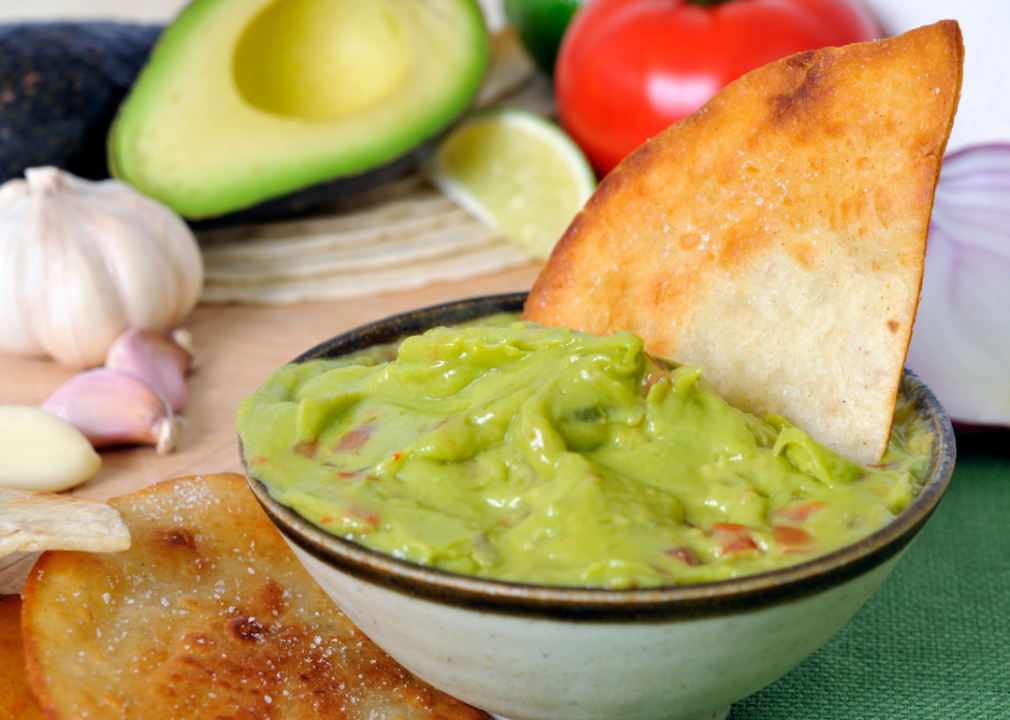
961,340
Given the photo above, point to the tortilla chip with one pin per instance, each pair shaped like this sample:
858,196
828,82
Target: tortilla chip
14,569
776,237
207,615
16,699
31,521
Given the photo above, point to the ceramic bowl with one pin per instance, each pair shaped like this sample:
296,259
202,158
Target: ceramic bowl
529,652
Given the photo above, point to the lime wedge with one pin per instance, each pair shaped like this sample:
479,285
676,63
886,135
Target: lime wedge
518,173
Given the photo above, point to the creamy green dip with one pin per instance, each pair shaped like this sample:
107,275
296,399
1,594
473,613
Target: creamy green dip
549,456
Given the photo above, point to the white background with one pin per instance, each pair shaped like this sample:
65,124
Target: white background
984,114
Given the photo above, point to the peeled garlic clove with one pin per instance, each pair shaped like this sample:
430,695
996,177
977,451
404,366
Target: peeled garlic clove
115,407
156,357
41,452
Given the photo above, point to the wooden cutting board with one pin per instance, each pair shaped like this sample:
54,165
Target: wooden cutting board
238,346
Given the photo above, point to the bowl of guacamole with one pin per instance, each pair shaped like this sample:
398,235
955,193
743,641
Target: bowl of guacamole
548,524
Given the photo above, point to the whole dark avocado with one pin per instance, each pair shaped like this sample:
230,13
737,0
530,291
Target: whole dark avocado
60,86
257,109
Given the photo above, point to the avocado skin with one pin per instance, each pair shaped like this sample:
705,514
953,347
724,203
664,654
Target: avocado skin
60,86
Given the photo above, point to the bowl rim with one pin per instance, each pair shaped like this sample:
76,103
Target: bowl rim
675,602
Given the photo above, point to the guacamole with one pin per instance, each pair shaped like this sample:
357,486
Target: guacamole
548,456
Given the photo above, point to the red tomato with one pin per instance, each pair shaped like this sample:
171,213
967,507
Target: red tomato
733,538
799,512
628,69
354,439
793,539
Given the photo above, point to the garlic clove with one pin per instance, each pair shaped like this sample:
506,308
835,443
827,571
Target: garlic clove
115,407
184,339
41,452
158,358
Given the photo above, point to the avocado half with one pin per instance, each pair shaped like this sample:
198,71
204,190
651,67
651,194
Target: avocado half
244,103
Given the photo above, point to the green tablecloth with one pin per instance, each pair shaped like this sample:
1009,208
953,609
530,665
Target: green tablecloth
933,643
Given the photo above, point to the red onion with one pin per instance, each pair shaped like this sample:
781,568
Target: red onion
961,340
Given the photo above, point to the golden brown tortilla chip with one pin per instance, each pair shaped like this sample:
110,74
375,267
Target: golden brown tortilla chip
207,615
16,699
31,521
776,237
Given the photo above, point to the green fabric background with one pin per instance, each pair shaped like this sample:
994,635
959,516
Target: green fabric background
934,641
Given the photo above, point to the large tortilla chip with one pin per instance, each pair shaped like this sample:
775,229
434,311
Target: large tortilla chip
207,615
777,236
16,699
31,521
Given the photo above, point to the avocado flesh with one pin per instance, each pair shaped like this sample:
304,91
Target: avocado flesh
248,100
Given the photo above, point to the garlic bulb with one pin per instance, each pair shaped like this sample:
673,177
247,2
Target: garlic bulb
81,261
